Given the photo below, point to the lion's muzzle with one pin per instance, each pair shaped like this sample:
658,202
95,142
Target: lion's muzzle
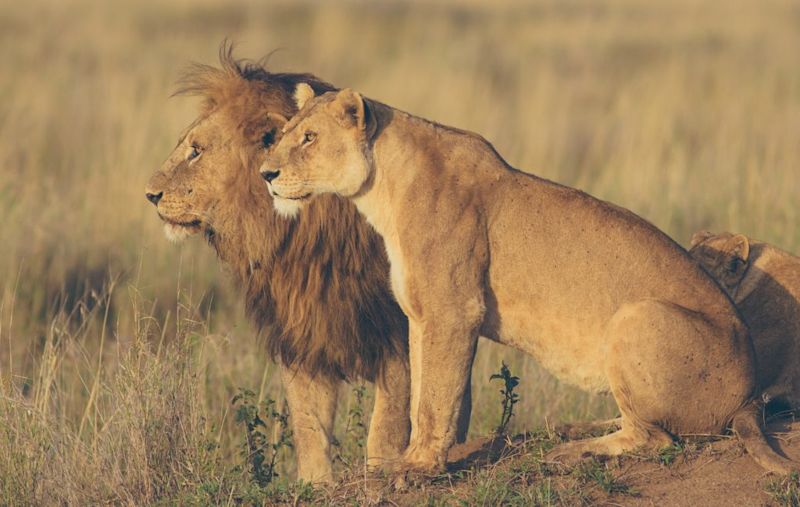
269,175
154,197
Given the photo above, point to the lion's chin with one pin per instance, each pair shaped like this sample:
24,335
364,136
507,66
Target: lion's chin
177,233
288,208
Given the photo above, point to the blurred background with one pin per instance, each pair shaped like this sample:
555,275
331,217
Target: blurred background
684,111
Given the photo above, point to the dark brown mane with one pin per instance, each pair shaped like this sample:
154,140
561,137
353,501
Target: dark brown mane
317,286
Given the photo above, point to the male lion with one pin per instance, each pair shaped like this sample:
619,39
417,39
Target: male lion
598,295
764,282
318,286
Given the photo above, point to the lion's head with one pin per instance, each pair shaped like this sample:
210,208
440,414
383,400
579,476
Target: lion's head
323,149
725,256
316,287
243,111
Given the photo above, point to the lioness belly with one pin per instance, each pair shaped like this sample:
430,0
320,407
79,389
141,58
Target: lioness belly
568,350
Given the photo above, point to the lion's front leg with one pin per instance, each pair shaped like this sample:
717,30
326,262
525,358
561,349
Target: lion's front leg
312,403
390,426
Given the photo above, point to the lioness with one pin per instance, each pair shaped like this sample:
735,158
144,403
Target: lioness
598,295
764,282
318,286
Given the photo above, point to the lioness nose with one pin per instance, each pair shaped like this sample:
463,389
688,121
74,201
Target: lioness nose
154,198
270,175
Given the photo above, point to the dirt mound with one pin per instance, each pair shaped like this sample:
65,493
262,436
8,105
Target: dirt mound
702,471
719,474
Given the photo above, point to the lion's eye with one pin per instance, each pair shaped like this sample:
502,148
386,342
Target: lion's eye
309,137
268,139
194,153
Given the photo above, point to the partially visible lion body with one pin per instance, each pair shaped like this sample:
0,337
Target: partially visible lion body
599,296
317,286
764,282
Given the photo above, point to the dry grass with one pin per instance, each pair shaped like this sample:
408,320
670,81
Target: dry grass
686,112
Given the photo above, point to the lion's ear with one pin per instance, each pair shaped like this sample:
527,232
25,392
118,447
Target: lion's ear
349,108
302,94
278,120
700,236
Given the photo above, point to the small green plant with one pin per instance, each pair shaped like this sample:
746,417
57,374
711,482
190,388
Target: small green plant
667,455
785,490
510,398
260,421
351,448
356,427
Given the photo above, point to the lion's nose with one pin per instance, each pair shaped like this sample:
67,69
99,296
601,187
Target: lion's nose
270,175
154,198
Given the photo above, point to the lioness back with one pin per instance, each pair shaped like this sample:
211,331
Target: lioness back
764,282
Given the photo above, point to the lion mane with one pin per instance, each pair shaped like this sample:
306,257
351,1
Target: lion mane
317,287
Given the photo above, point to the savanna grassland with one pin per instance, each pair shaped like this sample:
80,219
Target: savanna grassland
120,353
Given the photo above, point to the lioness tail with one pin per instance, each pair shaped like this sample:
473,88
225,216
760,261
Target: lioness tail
746,424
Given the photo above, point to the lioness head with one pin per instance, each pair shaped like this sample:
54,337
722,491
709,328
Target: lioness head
323,149
725,256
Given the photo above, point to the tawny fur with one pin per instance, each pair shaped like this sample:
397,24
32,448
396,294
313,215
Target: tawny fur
764,282
316,286
600,297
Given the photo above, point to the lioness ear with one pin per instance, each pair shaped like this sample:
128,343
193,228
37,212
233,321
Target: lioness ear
739,247
700,236
736,252
349,108
302,94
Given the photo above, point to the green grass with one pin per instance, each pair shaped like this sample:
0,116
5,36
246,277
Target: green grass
785,491
593,472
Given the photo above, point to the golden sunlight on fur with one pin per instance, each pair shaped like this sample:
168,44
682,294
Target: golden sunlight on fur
597,295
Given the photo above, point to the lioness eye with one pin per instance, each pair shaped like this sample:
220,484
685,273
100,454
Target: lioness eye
194,153
309,137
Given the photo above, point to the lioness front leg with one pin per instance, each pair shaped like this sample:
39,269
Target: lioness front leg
390,426
312,403
442,351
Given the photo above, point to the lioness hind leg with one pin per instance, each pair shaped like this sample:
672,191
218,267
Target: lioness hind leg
633,435
672,370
